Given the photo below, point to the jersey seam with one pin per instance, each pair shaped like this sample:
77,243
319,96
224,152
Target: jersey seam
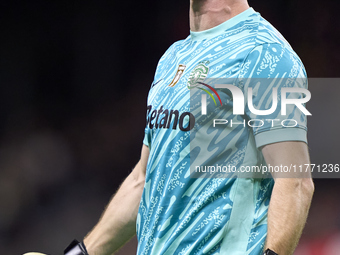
233,196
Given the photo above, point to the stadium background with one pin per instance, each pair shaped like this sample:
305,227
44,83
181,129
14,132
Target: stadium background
74,76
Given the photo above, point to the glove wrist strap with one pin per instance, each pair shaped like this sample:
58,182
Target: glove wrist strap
76,248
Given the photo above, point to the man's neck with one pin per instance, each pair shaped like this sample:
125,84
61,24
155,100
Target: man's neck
206,14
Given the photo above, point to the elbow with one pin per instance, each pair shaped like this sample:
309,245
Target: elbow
308,187
305,186
306,193
304,190
301,188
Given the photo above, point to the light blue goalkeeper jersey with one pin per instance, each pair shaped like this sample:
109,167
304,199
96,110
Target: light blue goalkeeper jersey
179,214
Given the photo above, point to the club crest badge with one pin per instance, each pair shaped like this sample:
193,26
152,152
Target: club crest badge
197,75
196,80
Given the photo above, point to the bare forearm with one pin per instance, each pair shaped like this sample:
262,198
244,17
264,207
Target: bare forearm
287,214
118,223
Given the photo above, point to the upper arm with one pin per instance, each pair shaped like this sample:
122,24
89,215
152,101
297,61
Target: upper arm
290,155
144,157
139,171
296,183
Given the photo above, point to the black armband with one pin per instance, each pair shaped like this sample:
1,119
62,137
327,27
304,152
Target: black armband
76,248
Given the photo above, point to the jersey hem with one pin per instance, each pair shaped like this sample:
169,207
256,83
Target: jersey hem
280,135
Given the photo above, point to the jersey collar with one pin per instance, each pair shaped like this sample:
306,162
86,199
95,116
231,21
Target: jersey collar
212,32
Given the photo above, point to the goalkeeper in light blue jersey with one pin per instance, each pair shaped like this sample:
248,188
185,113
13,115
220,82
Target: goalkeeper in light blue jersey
170,208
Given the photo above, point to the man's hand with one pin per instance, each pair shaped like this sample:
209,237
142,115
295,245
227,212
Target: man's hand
291,196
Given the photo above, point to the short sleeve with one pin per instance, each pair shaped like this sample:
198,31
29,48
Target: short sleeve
147,131
146,139
267,76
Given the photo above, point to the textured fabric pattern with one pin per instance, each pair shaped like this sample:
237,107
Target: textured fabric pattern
183,215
